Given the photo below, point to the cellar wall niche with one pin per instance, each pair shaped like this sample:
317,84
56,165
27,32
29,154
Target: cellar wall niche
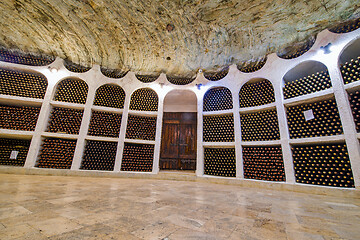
87,122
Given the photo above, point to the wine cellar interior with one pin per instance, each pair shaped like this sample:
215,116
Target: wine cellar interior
292,119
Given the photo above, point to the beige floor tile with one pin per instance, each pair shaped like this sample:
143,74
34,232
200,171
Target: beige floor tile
55,226
9,212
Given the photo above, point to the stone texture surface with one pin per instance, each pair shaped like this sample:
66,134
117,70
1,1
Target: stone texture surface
174,37
59,207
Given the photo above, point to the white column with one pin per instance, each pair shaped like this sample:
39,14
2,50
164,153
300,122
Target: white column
284,132
157,146
237,129
200,148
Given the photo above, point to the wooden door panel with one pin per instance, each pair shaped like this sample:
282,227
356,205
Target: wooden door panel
170,141
187,139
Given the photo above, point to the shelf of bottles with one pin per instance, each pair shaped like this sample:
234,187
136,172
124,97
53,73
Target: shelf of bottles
248,67
56,153
105,124
346,27
144,99
77,68
297,50
71,90
260,126
22,84
146,78
137,157
314,119
18,117
217,99
110,96
65,120
113,73
216,76
99,155
308,84
218,128
350,70
323,164
24,59
354,99
263,163
141,127
257,93
220,162
180,80
13,152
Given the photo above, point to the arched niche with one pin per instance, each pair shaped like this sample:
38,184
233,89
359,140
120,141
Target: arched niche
349,62
144,99
180,101
305,78
72,90
109,95
217,99
18,57
256,92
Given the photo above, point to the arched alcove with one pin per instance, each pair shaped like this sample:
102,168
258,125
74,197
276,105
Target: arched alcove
305,78
144,99
180,101
72,90
256,92
349,62
217,99
109,95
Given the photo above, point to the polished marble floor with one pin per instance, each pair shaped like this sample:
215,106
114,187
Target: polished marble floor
57,207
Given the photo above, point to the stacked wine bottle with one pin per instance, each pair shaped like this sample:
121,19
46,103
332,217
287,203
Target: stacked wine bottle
354,98
25,59
56,153
22,84
18,118
252,66
350,71
137,157
263,163
346,27
218,128
71,90
99,156
312,83
220,162
259,126
314,119
65,120
180,80
113,73
326,164
73,67
140,127
146,78
217,99
110,96
256,94
144,99
216,76
297,50
105,124
13,151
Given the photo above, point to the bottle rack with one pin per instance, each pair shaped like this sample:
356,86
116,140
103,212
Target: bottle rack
354,99
350,71
141,127
24,59
257,93
21,118
99,155
13,152
143,96
65,120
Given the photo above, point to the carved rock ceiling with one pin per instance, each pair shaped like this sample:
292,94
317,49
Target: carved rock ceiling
174,37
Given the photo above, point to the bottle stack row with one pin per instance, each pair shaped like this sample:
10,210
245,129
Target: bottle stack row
56,153
105,124
99,155
110,96
113,73
256,94
263,163
77,68
314,119
144,99
65,120
140,127
218,128
249,67
137,157
308,84
180,80
13,151
216,76
18,118
24,59
350,71
31,85
326,164
217,99
354,99
71,90
220,162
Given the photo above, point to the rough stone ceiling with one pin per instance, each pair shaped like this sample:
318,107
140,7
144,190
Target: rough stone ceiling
174,37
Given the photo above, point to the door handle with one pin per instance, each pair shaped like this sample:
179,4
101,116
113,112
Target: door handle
183,144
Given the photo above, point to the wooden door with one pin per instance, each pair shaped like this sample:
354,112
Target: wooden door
178,145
